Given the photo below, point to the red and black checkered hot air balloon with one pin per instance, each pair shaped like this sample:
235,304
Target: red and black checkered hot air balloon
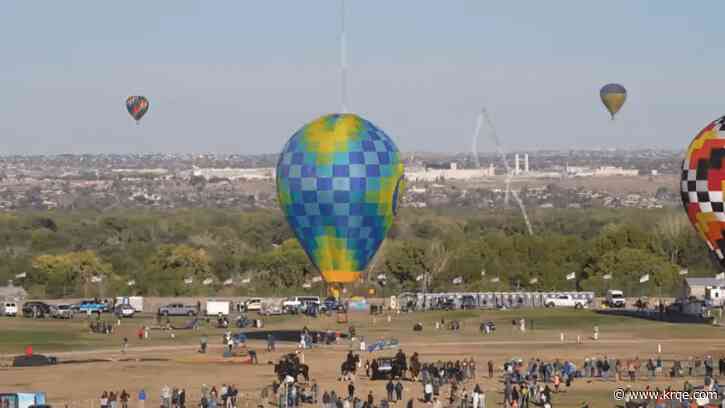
703,180
137,106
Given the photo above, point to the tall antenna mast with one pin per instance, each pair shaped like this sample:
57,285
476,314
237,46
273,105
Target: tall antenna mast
343,59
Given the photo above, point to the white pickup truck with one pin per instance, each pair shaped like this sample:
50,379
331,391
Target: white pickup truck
294,304
565,301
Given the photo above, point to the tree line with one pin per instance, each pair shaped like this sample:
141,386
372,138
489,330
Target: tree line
226,252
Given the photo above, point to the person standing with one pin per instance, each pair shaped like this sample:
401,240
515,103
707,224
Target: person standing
351,390
124,347
490,369
427,391
182,398
399,391
141,398
124,399
104,400
166,397
390,388
524,397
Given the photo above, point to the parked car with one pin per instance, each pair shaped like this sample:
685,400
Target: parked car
384,369
331,304
62,311
297,304
177,309
34,360
271,310
253,304
8,309
91,306
565,301
124,310
36,309
615,298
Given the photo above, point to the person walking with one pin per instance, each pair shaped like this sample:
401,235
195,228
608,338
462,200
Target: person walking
490,369
351,390
124,346
399,391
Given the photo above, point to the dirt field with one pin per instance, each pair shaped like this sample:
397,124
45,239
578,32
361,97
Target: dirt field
81,384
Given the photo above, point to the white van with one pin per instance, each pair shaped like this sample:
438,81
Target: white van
615,298
217,307
8,309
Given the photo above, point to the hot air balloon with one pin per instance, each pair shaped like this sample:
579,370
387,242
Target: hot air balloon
613,97
338,182
137,106
702,180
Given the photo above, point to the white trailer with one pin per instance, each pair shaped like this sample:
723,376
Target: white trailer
215,307
136,302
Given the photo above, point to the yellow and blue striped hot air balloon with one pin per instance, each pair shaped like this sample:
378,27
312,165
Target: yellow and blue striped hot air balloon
338,183
613,97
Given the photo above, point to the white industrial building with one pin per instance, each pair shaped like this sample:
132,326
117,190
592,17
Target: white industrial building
452,173
264,173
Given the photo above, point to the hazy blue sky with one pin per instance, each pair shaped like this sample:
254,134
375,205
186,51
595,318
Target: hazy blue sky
242,76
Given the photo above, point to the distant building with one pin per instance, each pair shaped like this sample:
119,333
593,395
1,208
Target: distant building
233,174
614,171
153,172
699,287
12,292
454,173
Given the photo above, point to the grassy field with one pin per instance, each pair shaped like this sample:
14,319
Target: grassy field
620,337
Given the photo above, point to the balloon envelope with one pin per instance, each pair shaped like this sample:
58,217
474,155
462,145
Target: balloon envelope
338,182
613,97
137,106
702,186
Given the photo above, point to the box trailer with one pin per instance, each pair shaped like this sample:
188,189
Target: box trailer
136,302
216,307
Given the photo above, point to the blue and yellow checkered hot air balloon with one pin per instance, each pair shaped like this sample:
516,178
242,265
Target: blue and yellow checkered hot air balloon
338,182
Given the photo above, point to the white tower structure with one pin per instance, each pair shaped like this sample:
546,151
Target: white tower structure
526,163
517,165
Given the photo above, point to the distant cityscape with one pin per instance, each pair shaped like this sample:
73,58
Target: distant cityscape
547,179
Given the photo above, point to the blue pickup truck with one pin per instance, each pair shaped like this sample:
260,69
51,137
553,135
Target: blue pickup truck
92,306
